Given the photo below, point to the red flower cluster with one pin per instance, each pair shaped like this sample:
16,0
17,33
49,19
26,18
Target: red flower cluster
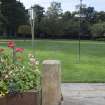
19,49
11,44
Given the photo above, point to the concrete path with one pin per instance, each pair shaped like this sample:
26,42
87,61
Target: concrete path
83,94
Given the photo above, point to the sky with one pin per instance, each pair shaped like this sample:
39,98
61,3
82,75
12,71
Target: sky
66,4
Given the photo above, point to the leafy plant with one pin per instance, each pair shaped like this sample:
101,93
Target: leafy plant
14,76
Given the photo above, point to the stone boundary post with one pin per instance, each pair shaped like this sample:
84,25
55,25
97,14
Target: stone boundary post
51,82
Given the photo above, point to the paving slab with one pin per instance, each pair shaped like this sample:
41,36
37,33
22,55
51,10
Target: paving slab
83,93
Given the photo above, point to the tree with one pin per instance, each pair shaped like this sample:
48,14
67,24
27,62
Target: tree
54,11
71,28
3,21
39,14
51,27
98,29
100,16
52,22
15,13
67,15
90,14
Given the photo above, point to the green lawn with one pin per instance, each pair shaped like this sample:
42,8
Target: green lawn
92,64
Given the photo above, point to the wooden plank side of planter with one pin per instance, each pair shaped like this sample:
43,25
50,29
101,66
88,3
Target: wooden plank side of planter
27,98
2,101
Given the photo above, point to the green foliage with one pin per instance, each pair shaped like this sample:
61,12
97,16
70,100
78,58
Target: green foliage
100,16
71,27
67,15
23,75
15,13
39,12
90,14
14,18
52,26
54,10
98,29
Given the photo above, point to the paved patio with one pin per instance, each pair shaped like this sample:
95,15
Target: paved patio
83,94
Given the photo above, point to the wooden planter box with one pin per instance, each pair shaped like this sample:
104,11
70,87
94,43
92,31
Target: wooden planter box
26,98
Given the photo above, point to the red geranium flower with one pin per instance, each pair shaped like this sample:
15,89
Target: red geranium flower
19,49
11,44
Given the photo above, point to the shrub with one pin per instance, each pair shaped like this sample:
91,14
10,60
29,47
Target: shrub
98,30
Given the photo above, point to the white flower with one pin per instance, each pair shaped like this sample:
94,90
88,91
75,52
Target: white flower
30,55
37,62
10,72
6,76
23,67
32,60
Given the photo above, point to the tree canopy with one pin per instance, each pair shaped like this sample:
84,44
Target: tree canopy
53,22
15,14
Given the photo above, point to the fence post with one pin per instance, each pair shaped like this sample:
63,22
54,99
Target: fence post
51,82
